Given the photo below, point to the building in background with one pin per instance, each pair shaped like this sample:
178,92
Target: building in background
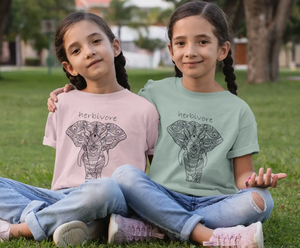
137,57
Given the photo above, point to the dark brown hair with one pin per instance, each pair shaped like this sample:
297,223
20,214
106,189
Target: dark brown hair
78,81
216,17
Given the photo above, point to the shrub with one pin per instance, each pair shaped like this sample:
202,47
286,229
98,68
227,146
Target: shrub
32,61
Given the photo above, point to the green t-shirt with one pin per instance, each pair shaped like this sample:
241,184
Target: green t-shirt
199,135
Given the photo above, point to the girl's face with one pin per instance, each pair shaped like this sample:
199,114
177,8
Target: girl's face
194,48
89,51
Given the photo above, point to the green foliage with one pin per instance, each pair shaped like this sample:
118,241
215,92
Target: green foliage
150,44
293,25
178,3
155,16
164,16
120,12
32,61
26,15
23,96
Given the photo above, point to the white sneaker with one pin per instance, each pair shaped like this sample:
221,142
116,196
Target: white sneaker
76,232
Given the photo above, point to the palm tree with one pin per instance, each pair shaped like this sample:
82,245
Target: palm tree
151,45
120,13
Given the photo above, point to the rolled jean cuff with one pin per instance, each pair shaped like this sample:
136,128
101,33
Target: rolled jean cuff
35,227
33,206
189,226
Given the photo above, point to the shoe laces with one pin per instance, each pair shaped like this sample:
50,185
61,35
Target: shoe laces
141,232
229,240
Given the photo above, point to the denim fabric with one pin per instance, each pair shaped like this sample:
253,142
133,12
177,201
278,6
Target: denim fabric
44,210
178,214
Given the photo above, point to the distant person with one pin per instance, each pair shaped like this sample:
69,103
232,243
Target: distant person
96,129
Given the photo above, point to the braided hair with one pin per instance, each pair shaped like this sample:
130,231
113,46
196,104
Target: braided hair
119,61
216,17
228,71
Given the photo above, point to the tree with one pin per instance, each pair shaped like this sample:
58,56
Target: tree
291,36
4,10
234,10
120,14
150,45
177,3
266,21
155,16
26,15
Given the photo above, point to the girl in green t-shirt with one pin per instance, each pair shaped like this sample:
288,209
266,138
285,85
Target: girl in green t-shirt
202,186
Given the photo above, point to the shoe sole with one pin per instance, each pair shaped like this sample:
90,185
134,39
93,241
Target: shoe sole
112,229
73,233
259,236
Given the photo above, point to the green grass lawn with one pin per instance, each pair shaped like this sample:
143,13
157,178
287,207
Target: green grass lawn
23,114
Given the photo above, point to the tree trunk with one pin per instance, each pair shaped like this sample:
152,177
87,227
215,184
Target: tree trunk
239,16
235,12
4,11
266,22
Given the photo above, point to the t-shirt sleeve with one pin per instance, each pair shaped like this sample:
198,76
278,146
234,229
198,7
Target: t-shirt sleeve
146,91
152,130
246,141
50,130
152,134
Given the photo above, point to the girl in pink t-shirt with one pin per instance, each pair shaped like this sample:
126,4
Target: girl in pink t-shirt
96,129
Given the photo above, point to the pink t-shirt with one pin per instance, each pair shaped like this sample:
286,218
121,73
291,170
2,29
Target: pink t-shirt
94,134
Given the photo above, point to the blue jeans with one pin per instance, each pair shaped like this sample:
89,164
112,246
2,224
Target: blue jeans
44,210
178,214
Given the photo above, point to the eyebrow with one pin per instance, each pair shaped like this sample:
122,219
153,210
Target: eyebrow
197,36
76,43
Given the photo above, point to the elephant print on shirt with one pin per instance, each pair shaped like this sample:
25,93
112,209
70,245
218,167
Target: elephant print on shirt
95,140
195,141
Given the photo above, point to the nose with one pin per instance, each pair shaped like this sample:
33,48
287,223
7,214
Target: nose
191,51
90,52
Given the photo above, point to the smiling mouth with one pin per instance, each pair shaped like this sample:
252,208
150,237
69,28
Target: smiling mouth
94,62
192,62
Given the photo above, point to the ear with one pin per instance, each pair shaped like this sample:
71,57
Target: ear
69,68
116,47
171,50
223,51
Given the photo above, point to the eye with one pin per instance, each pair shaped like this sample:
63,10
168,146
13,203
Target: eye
75,51
96,41
203,42
179,43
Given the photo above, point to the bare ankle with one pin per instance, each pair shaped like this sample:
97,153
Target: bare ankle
20,230
201,233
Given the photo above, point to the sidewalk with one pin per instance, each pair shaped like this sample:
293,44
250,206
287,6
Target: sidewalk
22,68
294,78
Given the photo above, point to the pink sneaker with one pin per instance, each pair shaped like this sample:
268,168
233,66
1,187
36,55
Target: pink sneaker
4,230
122,230
238,237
